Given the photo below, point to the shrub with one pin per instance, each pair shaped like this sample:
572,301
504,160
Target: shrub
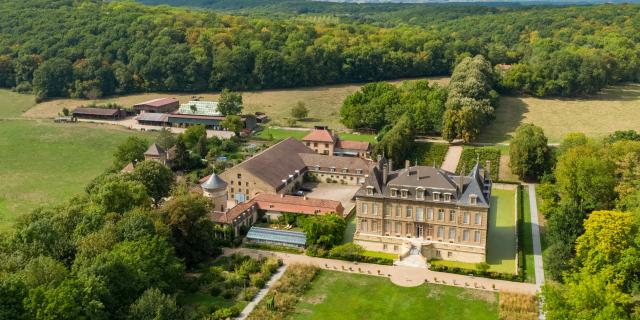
224,313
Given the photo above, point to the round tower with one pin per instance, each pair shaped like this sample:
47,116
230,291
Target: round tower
216,190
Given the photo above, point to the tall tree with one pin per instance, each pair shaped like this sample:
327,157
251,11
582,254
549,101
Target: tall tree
131,150
529,153
156,178
230,103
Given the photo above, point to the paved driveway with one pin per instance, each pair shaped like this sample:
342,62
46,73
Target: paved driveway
333,191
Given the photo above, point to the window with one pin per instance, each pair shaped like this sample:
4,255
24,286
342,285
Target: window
449,254
394,192
398,227
375,209
358,171
440,214
398,214
409,212
369,190
447,197
326,145
473,199
387,210
239,175
385,247
452,233
374,226
465,217
315,144
429,213
345,170
478,218
365,208
465,235
231,190
395,248
404,193
247,183
436,196
438,254
477,238
240,183
387,226
333,169
440,232
419,193
420,214
452,216
363,226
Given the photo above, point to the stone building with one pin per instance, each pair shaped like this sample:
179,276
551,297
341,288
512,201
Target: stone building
424,210
322,141
216,190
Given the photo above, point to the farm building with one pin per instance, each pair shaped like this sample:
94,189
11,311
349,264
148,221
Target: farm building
99,113
153,119
161,105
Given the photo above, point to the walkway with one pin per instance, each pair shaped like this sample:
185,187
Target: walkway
400,275
535,234
450,162
261,294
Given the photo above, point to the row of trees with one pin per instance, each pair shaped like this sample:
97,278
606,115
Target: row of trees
96,48
591,201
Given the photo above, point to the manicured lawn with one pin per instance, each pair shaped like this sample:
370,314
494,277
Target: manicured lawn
350,231
457,264
501,243
46,163
377,254
358,137
13,104
526,240
428,154
614,108
203,299
281,134
337,295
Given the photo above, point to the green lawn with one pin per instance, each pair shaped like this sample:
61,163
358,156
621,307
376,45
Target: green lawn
281,134
429,154
337,295
14,104
46,163
501,243
358,137
377,254
526,240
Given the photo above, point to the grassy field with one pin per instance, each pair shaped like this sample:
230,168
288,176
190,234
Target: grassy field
501,244
377,254
526,237
615,108
280,134
45,163
323,102
14,104
336,295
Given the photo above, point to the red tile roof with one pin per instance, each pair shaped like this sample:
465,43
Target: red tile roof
353,145
293,204
231,214
320,135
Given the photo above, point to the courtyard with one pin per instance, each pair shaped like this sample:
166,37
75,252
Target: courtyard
369,297
333,191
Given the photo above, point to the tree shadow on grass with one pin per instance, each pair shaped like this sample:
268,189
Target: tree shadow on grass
509,115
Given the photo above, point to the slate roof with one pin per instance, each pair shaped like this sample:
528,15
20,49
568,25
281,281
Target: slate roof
154,150
96,111
429,180
153,117
214,182
277,162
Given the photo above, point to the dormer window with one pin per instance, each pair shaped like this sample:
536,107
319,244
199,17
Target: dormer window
317,167
404,193
419,193
369,190
345,170
447,197
436,196
333,169
394,192
473,199
358,171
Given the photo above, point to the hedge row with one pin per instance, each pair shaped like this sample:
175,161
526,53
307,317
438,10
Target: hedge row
486,274
348,252
428,154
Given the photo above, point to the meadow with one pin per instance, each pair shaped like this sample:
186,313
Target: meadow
45,163
370,297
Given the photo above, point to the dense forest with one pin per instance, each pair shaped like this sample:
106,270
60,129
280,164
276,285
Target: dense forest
94,48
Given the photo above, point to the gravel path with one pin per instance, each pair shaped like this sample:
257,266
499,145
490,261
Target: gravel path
261,294
450,162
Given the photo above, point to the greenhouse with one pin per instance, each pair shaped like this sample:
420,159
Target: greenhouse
277,237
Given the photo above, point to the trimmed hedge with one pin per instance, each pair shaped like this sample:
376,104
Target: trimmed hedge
348,252
486,274
469,158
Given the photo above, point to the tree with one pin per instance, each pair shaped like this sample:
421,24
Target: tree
528,152
202,147
43,271
182,160
230,103
131,150
156,178
165,139
623,135
398,142
233,123
299,111
325,231
12,293
72,299
186,216
53,78
154,305
192,135
119,193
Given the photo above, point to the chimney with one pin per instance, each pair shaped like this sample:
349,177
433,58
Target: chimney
385,173
407,164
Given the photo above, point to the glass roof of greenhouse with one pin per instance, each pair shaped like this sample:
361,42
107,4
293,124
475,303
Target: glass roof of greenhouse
266,234
201,108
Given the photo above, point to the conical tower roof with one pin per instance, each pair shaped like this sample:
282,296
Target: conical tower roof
214,182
